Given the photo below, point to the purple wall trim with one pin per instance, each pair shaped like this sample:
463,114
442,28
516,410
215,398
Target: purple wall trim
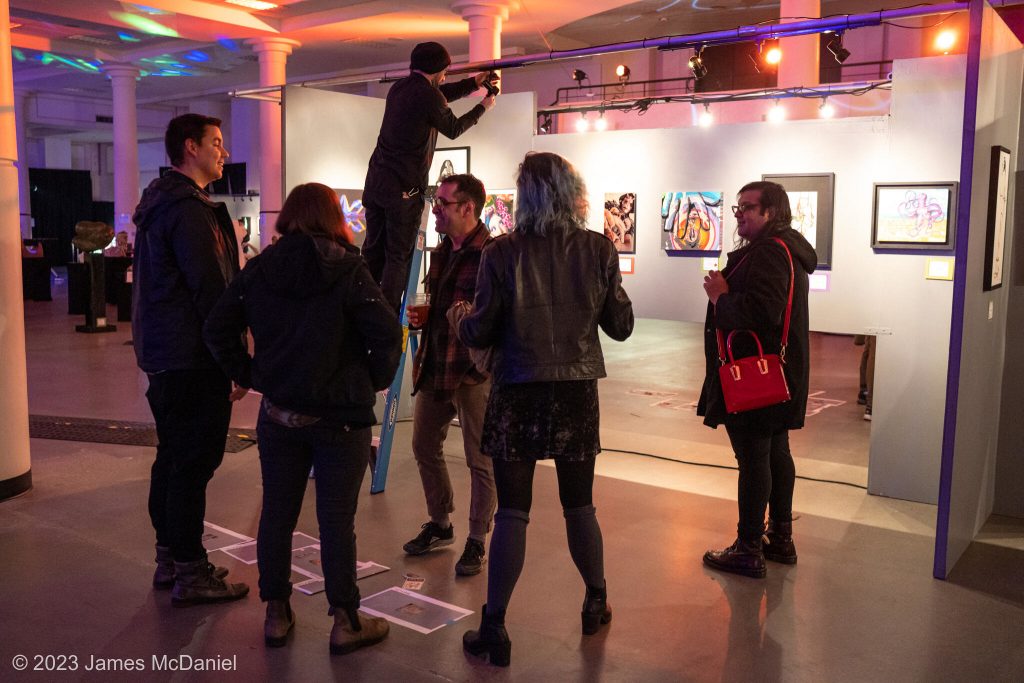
963,218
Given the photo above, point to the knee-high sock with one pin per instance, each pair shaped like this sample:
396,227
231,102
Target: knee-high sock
508,551
586,544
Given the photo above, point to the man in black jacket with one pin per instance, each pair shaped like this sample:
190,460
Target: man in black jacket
185,255
417,108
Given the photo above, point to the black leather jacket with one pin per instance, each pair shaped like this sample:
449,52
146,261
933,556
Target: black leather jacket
539,301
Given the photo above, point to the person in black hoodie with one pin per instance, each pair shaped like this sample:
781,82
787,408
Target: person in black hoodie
416,110
185,255
751,293
325,342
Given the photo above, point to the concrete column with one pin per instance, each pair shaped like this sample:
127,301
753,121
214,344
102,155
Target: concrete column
24,195
800,58
126,146
485,19
273,53
15,464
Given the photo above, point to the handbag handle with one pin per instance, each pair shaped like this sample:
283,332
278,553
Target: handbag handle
785,323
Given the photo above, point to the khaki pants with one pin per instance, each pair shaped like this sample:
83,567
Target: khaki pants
431,418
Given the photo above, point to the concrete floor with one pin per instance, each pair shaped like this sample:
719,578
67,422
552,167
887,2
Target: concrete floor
75,552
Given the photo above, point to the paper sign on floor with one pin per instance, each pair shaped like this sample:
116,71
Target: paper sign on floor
412,610
217,537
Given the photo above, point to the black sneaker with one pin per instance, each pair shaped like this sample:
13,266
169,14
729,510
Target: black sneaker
431,536
867,413
472,560
862,397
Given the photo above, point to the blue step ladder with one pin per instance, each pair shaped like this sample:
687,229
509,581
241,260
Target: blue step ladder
381,454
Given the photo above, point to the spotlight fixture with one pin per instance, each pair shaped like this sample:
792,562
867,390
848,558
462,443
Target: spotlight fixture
545,124
582,125
696,64
826,110
579,75
706,119
622,71
601,123
945,41
773,56
835,46
766,60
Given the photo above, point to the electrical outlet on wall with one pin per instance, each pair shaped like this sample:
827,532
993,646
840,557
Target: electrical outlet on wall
991,309
879,330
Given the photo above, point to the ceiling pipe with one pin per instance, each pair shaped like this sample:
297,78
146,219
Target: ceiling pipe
737,35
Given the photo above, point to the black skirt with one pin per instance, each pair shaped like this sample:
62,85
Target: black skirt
541,420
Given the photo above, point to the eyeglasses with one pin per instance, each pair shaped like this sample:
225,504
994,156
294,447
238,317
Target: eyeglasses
743,208
442,202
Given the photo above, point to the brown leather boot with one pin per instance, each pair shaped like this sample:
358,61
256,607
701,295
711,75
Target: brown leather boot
195,584
778,542
353,630
279,622
742,557
163,577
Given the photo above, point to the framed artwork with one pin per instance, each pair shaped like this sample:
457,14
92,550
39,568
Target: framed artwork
995,231
914,216
447,161
620,220
499,211
355,213
691,221
812,201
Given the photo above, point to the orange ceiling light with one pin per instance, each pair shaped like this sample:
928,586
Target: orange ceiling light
253,4
945,40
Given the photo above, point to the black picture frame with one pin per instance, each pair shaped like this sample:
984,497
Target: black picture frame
896,205
824,185
995,229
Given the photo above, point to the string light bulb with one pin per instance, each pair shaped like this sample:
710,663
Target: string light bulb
826,110
777,113
945,41
582,125
601,123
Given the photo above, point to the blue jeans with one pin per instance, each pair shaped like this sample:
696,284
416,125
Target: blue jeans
340,456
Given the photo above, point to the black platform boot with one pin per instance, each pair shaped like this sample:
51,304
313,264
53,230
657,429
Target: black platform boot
778,544
742,557
596,610
491,640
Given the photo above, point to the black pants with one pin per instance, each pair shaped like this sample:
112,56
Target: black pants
766,479
192,411
391,230
339,457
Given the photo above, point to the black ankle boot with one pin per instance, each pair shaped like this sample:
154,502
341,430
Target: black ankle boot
596,610
491,641
778,543
742,557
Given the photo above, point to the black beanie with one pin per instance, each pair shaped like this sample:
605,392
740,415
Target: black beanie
429,58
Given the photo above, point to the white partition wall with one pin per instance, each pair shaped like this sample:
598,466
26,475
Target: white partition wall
330,136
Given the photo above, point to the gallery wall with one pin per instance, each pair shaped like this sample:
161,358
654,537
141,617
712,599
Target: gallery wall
980,400
329,138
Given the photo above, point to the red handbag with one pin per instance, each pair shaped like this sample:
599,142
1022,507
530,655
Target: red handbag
755,381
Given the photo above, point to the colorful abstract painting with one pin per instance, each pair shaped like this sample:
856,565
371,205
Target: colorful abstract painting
913,216
355,213
499,212
691,221
620,220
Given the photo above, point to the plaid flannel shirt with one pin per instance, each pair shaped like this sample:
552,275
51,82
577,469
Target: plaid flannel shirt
442,362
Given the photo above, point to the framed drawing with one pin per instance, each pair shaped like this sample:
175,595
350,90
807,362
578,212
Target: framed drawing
620,220
447,161
691,221
995,231
914,216
812,200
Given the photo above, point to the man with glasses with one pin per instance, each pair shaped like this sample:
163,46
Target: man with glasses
446,379
416,109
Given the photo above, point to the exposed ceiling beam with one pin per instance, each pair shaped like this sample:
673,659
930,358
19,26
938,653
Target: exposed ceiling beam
337,15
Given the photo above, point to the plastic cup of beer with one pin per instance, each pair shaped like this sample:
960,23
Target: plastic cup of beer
419,308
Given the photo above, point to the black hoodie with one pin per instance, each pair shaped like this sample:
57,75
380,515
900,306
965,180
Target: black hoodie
758,276
325,340
185,255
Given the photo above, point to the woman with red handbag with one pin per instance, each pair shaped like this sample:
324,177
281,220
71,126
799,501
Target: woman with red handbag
762,292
